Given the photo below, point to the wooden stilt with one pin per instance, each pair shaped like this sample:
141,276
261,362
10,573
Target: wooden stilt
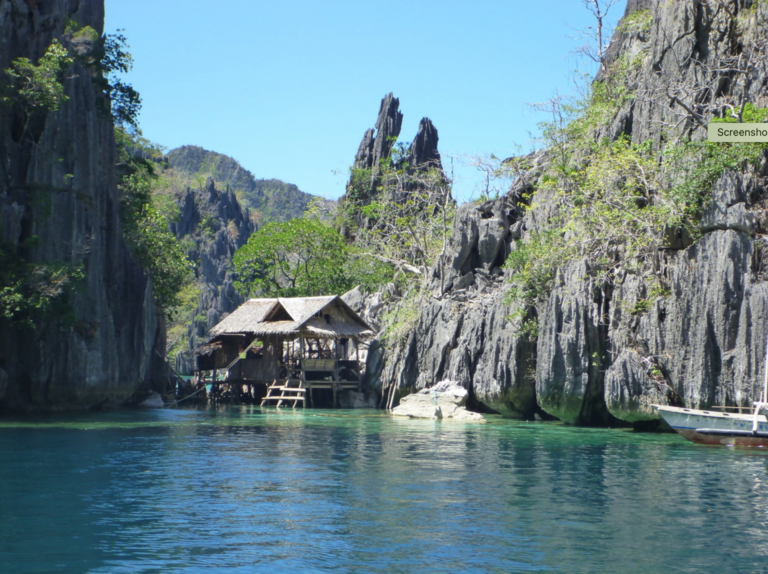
391,399
335,384
303,374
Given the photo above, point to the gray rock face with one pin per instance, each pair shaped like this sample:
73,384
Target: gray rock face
609,346
731,204
572,351
57,183
377,143
705,339
215,223
463,333
423,150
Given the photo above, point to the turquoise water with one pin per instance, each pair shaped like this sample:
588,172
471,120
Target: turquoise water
242,490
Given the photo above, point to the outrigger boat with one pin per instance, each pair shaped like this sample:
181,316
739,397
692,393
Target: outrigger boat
713,427
719,427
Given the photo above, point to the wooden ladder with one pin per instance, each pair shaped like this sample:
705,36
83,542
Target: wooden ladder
287,393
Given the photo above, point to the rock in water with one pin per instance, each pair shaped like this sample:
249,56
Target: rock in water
446,400
153,401
355,400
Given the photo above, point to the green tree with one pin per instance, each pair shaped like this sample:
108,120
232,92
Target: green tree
113,59
297,258
145,222
31,292
406,221
37,88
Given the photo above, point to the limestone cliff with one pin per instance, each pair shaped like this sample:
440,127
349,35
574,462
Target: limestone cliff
59,205
606,349
212,226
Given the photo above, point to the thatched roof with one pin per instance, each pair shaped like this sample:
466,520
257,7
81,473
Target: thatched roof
208,348
251,312
325,317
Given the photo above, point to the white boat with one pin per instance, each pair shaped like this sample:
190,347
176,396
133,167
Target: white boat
720,427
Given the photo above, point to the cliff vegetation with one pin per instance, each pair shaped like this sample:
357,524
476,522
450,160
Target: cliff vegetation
624,266
79,325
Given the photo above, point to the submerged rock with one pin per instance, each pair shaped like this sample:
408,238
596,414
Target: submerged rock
446,400
355,400
153,401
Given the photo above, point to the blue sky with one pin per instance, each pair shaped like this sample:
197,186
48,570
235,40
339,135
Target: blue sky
289,87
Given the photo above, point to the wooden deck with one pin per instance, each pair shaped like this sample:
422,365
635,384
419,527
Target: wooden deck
293,390
312,374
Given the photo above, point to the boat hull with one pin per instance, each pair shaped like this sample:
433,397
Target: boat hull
716,428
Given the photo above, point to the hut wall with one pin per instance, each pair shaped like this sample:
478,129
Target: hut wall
252,370
272,354
225,356
206,362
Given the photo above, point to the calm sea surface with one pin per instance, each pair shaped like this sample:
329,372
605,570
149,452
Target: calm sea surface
245,490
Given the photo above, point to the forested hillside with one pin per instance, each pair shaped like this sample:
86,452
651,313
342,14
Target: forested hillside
214,206
266,199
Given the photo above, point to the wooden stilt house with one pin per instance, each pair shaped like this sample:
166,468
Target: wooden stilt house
285,349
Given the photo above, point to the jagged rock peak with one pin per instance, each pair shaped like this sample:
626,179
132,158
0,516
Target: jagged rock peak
377,146
377,143
423,149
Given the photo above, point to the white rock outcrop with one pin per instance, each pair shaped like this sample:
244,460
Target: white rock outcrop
445,400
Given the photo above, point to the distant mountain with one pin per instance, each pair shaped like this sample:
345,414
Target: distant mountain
266,199
215,204
211,226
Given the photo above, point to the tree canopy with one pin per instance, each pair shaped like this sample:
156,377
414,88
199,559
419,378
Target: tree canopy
297,258
303,258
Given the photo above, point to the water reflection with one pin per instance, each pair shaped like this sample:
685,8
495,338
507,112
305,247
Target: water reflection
252,491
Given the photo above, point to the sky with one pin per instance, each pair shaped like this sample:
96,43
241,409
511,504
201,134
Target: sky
288,87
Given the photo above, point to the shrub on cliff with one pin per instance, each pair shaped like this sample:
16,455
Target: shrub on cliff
616,202
35,89
145,227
